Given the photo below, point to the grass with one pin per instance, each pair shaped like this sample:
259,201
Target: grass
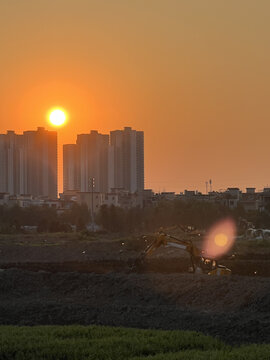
107,343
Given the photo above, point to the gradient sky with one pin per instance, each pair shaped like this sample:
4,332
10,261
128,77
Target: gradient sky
193,74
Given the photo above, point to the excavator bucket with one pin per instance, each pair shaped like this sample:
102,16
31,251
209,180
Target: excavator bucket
220,271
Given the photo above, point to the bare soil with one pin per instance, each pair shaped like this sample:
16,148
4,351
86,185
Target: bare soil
66,280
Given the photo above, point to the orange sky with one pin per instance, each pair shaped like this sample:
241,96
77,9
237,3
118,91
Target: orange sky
194,75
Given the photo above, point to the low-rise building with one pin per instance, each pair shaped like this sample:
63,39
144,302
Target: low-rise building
93,200
4,198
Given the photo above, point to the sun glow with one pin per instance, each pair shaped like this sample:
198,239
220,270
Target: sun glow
57,117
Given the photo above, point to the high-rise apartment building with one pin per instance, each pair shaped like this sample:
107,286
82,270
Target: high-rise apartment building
40,148
126,162
118,165
11,163
85,160
70,167
28,163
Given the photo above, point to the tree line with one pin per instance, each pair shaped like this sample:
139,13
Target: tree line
46,219
198,214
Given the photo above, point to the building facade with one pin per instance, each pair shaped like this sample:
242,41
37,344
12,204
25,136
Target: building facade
11,163
40,149
28,163
92,161
115,162
126,169
70,167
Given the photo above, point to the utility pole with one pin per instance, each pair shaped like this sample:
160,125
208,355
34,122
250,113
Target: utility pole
206,187
92,185
210,182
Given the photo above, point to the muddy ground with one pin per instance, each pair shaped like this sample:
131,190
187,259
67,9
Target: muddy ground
68,280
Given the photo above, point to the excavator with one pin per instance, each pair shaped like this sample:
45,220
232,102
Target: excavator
199,264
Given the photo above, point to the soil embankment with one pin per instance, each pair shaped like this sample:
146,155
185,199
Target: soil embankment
236,309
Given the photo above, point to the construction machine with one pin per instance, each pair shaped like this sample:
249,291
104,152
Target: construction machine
199,264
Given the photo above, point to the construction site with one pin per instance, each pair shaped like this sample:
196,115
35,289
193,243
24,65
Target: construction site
127,281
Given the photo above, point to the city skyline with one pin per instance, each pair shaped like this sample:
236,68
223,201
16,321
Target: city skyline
28,162
71,153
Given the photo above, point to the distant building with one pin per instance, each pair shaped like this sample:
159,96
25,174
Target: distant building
70,167
168,195
148,197
126,199
190,193
265,198
118,165
12,161
28,163
4,198
40,175
126,161
234,192
87,160
69,195
95,199
121,198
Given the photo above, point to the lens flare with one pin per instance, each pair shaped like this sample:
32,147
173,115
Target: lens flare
219,239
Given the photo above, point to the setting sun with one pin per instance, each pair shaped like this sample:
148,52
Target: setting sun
57,117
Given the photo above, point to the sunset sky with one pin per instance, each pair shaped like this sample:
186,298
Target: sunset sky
194,75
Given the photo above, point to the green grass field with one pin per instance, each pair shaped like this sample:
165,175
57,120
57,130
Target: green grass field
107,343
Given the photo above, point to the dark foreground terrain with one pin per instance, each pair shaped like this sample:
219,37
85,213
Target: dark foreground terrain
88,282
236,309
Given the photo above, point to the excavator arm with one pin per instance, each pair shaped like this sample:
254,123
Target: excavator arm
162,239
198,262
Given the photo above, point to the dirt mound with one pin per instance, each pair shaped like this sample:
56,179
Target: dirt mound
156,265
234,308
105,255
